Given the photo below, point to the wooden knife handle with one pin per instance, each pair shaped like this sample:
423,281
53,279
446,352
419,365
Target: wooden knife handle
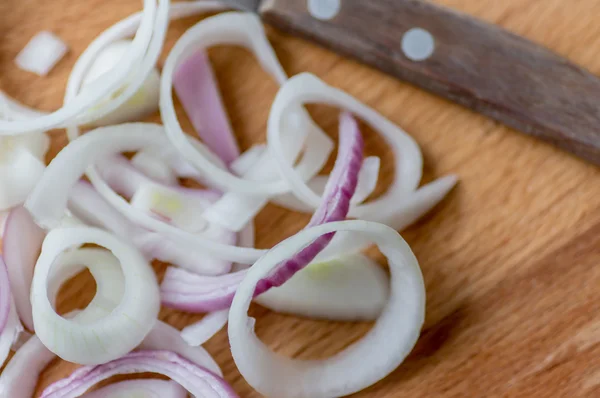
479,65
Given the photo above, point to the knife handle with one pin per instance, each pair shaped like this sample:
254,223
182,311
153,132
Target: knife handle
476,64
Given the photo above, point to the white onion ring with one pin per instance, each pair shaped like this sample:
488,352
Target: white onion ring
104,339
245,30
100,90
384,348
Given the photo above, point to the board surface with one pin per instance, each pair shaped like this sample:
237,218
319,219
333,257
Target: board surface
511,258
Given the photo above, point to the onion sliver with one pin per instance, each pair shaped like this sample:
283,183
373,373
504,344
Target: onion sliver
197,89
348,288
5,296
86,204
112,336
165,337
155,168
246,30
85,101
304,88
135,78
149,388
43,51
21,246
20,170
382,350
9,337
204,294
200,332
197,380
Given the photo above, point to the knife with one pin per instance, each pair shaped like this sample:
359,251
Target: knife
479,65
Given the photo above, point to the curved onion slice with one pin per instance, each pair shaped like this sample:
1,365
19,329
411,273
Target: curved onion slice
21,246
384,348
306,87
141,104
113,81
69,165
112,336
89,206
201,331
14,110
196,87
21,374
196,293
166,337
243,29
9,337
5,296
148,388
197,380
134,79
349,288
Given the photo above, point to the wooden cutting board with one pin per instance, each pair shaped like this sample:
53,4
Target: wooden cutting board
511,258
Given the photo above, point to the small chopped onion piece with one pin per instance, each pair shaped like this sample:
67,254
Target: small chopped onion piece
246,30
42,52
362,364
147,388
155,168
21,246
197,89
199,381
349,288
112,336
20,171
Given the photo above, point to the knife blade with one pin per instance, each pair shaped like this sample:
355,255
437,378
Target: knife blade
471,62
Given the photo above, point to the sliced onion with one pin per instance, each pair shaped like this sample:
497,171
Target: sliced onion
364,363
103,339
88,205
20,170
399,217
5,296
134,78
9,336
147,388
21,246
349,288
242,29
43,51
142,103
367,181
14,110
69,165
166,337
304,88
197,89
204,294
200,332
155,168
87,100
197,380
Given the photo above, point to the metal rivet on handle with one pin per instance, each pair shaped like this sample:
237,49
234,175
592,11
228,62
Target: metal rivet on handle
324,9
418,44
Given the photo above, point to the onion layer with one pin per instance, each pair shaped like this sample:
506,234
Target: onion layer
140,388
197,380
112,336
385,346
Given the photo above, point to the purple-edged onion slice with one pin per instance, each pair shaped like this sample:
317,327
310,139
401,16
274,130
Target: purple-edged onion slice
5,296
199,381
362,364
147,388
21,246
206,294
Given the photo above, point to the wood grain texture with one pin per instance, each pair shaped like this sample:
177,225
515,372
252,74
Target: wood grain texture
510,259
476,64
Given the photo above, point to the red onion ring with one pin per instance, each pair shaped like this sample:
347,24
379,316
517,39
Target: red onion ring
149,388
199,381
5,296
